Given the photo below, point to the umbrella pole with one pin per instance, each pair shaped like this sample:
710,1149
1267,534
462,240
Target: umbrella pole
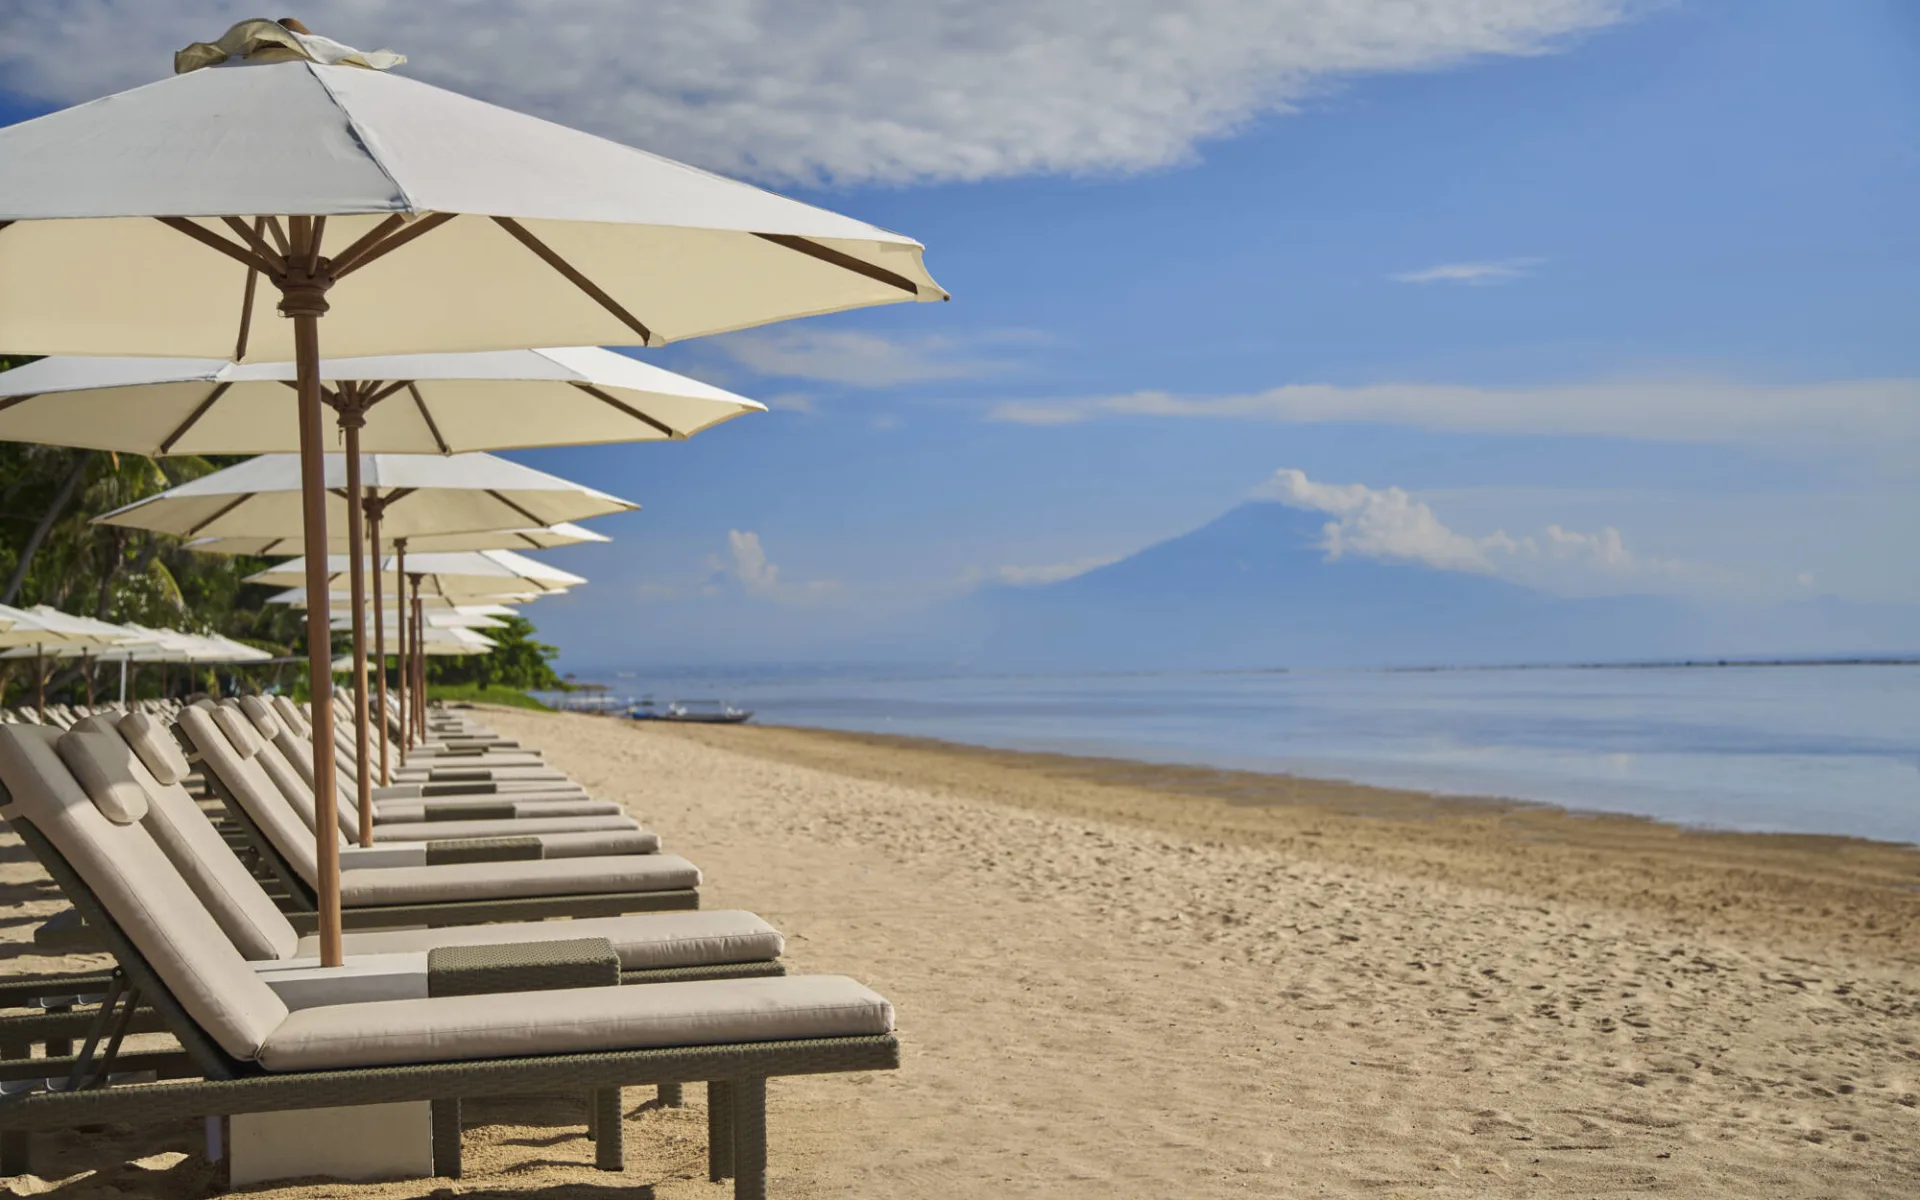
374,506
405,650
303,298
123,683
351,420
419,665
86,669
39,685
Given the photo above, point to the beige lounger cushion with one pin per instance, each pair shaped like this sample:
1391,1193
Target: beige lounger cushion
239,730
579,1020
261,714
102,765
245,778
150,902
440,831
244,911
643,942
508,880
154,743
605,812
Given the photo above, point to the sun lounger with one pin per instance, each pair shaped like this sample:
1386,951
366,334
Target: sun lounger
653,947
245,1050
434,888
563,829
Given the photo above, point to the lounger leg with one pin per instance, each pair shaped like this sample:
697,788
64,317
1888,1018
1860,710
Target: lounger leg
16,1157
609,1135
719,1130
671,1096
446,1138
750,1139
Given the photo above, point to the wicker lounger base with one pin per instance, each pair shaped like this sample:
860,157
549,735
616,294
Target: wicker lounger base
736,1078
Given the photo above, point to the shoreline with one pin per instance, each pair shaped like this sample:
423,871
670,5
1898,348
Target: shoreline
1827,889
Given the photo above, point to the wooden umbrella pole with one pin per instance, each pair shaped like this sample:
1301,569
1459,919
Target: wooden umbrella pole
39,685
405,649
350,420
303,298
374,505
86,669
419,664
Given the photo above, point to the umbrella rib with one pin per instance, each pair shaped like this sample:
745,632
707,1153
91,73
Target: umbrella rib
279,235
366,241
572,275
180,431
207,237
828,254
386,391
496,494
423,225
246,299
628,409
421,404
251,236
224,510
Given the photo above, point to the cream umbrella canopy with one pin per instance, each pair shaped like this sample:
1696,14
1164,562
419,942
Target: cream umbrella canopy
469,573
33,632
409,404
145,223
545,537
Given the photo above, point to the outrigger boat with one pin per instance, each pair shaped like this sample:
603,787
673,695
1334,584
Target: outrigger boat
699,712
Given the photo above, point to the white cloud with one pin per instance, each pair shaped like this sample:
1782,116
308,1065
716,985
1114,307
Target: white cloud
1037,576
1500,271
849,90
746,564
1388,523
750,564
1869,416
851,357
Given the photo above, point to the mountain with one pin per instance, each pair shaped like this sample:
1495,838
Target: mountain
1254,588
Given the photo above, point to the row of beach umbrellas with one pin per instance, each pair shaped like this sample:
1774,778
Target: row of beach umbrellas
43,632
383,220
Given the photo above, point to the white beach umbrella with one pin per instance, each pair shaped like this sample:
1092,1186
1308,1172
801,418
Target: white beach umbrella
418,494
546,537
44,631
448,618
339,604
421,220
468,497
411,404
469,573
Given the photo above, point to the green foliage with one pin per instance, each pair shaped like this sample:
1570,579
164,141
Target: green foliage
517,661
474,693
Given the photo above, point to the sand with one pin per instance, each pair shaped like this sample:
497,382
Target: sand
1119,980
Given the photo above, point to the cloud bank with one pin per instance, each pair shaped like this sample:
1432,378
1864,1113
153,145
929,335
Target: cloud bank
1870,416
848,91
1387,523
1478,273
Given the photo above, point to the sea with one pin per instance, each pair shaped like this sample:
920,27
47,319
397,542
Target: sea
1823,749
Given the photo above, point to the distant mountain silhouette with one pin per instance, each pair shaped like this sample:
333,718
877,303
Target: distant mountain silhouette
1254,588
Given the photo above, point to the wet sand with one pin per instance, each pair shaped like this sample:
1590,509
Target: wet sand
1125,980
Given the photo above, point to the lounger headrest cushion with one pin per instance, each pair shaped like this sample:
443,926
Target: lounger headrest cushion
102,764
239,731
97,723
203,702
261,714
155,744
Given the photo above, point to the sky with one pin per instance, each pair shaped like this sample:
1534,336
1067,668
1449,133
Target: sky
1600,296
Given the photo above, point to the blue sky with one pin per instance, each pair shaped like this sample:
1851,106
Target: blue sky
1657,274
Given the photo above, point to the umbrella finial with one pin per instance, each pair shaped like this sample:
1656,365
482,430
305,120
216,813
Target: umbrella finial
259,40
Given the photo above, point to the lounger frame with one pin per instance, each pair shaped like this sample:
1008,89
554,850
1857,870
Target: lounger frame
736,1075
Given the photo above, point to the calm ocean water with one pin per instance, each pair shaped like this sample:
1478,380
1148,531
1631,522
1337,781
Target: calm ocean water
1814,749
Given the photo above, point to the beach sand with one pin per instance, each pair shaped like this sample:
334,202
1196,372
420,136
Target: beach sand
1117,980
